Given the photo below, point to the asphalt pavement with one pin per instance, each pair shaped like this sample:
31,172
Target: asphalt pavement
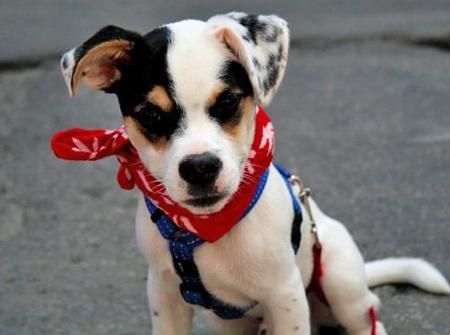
362,116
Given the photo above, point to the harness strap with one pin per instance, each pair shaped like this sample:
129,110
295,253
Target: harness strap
296,233
182,245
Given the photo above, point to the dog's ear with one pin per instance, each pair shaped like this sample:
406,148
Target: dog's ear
103,60
260,43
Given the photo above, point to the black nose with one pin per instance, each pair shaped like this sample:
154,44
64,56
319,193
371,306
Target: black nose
200,170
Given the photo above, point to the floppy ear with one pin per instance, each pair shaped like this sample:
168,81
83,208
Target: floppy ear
260,43
103,60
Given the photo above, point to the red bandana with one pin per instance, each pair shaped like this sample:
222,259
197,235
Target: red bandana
88,145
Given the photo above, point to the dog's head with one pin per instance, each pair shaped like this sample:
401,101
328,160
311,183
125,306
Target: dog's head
188,93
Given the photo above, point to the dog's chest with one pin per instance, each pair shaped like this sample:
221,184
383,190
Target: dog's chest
241,265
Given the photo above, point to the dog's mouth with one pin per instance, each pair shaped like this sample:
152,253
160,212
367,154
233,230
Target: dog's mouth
206,200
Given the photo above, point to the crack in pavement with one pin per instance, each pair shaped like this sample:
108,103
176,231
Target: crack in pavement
306,43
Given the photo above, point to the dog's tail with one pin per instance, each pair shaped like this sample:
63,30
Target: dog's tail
413,271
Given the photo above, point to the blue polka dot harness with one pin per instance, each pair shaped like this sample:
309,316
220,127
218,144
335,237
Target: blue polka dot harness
182,245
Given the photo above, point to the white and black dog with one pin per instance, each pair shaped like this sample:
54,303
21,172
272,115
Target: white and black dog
188,93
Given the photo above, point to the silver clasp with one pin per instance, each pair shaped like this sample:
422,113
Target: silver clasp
303,195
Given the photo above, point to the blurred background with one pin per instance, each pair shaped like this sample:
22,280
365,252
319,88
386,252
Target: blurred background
363,116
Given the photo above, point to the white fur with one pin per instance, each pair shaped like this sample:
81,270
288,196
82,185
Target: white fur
254,261
414,271
200,134
67,66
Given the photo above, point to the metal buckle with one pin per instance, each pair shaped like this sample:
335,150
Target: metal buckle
304,194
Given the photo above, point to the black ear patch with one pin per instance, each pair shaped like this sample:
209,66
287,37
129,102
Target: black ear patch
104,60
130,65
258,29
106,34
273,70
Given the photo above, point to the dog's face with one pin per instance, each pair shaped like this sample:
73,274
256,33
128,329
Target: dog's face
188,93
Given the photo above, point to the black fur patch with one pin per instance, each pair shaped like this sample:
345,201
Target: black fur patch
234,75
226,108
146,68
254,26
271,34
152,71
155,123
258,29
273,71
256,63
110,33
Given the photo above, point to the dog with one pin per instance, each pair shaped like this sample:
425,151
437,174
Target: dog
189,93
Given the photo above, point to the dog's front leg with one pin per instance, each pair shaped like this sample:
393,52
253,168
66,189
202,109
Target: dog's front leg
170,314
286,308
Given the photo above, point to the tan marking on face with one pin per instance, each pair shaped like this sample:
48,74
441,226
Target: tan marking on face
137,137
97,69
159,97
240,130
215,92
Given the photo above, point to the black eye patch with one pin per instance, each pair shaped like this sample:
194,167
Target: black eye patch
226,108
155,123
233,74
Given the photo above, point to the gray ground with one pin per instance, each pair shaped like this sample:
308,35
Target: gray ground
362,116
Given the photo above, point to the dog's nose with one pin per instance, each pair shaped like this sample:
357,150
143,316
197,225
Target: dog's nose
200,170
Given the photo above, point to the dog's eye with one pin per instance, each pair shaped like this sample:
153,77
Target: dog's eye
157,123
226,108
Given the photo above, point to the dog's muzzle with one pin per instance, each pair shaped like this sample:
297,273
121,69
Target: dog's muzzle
200,171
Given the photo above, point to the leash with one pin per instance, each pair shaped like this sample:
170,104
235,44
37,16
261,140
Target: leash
304,195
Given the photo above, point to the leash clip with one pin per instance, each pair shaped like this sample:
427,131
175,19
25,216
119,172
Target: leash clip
304,194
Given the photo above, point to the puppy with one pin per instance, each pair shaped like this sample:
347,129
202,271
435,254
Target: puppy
188,92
